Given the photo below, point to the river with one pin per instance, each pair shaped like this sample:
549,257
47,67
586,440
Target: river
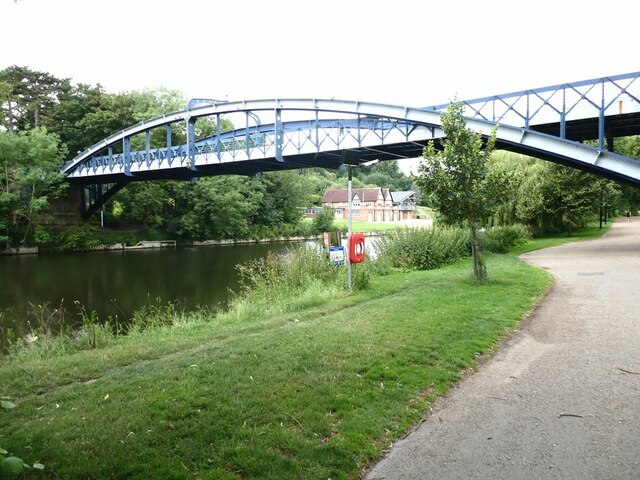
120,282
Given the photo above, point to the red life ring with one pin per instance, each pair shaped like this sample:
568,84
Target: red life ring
356,248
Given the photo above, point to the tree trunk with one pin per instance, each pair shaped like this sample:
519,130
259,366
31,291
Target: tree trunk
479,267
36,117
29,218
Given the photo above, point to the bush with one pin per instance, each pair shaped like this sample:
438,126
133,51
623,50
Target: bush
502,239
81,237
84,237
324,221
423,249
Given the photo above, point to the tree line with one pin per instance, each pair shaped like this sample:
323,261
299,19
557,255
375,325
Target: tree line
45,120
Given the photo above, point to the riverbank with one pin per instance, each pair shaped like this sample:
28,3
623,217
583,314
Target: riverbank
316,387
369,231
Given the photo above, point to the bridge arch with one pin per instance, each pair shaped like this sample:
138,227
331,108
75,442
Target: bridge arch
297,133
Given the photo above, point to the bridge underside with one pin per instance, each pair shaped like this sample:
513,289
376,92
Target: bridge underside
623,125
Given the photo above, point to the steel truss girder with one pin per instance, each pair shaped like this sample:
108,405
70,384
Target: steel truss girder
279,139
365,126
556,107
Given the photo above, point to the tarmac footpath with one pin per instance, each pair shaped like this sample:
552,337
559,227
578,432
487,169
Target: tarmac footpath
561,398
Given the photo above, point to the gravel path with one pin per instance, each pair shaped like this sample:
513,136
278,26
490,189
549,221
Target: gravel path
561,398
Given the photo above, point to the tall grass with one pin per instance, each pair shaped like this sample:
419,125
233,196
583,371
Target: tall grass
299,277
502,239
423,249
426,249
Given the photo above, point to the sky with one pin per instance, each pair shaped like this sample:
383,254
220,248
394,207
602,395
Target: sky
414,52
404,52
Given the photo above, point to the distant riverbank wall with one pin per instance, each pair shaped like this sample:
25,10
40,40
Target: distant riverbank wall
155,244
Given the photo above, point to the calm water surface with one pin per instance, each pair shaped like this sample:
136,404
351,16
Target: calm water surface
117,283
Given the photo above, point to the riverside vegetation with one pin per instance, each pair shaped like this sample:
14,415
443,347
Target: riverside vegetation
298,378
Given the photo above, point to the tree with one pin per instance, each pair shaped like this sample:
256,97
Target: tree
222,207
386,174
630,147
324,220
145,203
65,116
571,197
30,175
550,198
112,114
33,95
285,195
459,179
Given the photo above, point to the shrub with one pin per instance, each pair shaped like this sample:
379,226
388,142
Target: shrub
79,237
156,315
423,249
361,275
502,239
324,221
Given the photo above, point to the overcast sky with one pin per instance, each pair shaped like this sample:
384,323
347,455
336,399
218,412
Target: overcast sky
413,52
406,52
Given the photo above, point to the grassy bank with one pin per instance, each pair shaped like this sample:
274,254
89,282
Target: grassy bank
365,227
360,226
314,390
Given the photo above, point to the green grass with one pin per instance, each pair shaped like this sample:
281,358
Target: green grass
365,227
359,226
424,212
313,393
587,233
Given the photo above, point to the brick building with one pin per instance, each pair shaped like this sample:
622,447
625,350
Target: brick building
371,204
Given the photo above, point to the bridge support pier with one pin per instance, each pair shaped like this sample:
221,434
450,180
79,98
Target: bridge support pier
95,196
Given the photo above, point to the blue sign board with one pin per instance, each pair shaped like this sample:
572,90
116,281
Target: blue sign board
336,255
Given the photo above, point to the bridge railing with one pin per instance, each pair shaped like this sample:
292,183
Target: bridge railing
261,141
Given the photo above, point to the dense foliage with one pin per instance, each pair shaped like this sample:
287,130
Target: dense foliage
29,164
547,198
426,249
423,249
550,198
503,238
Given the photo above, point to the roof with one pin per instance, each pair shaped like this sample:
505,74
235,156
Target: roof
399,197
341,195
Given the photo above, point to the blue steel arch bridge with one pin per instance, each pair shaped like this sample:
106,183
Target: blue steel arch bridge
551,123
